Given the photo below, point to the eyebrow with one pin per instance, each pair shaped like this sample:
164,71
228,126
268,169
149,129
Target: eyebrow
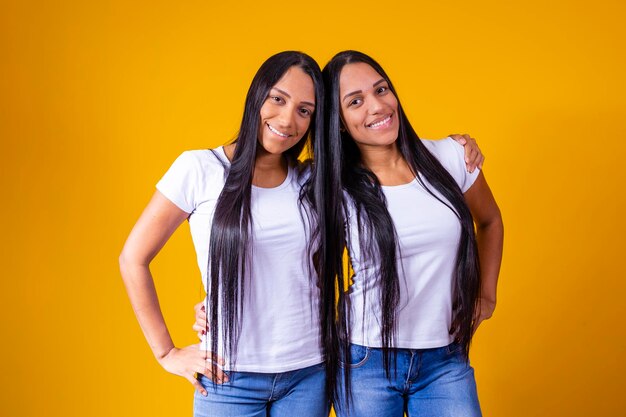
289,96
382,80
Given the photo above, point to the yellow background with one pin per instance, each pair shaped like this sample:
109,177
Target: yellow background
98,98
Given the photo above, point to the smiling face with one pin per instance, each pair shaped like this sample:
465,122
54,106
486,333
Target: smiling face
369,109
287,111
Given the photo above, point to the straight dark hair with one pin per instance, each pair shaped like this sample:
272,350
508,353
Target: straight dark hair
377,235
229,249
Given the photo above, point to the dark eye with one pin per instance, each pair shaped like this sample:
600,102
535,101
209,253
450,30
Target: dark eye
305,112
276,99
382,90
354,102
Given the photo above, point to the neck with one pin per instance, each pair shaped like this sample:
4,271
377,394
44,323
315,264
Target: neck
270,170
387,163
266,161
377,158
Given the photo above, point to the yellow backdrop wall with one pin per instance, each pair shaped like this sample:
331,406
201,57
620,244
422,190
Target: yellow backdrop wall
98,98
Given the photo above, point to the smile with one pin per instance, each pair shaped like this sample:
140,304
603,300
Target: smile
381,123
282,135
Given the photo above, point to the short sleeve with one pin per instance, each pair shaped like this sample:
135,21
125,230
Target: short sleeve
181,182
452,156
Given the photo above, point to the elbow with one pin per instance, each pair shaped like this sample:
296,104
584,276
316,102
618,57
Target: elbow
123,262
493,224
498,224
497,228
126,262
131,262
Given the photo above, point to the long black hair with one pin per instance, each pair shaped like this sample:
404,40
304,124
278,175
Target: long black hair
229,249
377,235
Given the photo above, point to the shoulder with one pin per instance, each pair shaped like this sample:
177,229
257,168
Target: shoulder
195,168
205,158
447,151
451,155
192,175
200,162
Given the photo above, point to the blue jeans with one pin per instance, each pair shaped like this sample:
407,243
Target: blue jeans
426,383
299,393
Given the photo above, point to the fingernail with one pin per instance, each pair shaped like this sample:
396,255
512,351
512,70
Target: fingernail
204,393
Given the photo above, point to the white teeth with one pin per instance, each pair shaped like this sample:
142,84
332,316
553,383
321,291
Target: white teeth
282,135
382,122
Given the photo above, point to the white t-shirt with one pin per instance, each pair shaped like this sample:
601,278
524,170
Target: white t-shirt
279,322
428,234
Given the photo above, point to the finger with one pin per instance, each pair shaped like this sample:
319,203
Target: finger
472,152
198,328
471,143
199,331
478,161
213,371
201,318
472,160
208,357
459,138
200,315
213,357
472,155
476,150
219,376
197,385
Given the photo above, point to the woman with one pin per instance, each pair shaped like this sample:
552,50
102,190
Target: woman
254,214
418,291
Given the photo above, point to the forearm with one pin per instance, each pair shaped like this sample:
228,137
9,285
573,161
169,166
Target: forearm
143,298
490,238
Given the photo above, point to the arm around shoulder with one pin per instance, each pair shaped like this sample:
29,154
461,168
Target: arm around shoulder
490,240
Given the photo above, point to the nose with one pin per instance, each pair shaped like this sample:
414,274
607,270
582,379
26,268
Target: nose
375,105
286,116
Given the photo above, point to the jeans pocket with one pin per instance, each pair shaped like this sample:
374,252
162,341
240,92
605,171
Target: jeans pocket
358,356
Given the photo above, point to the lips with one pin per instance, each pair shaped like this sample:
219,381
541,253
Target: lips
380,123
277,132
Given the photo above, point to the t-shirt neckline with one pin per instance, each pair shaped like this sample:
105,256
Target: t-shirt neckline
400,186
282,185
